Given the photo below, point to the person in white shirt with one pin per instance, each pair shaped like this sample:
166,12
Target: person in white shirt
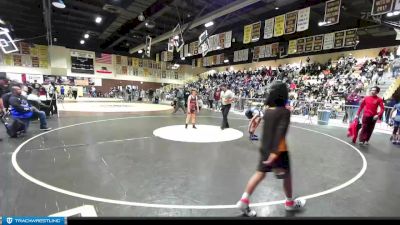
226,100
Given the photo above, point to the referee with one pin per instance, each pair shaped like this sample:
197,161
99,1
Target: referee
226,100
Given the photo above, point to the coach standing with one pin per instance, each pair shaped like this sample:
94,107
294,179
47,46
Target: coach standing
226,100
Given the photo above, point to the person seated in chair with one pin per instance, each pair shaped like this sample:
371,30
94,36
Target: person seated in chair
21,109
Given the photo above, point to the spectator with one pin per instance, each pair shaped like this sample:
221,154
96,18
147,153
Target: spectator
20,109
370,106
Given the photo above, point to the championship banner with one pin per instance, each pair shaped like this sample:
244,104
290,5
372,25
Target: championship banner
191,48
218,60
382,7
180,54
124,60
135,61
228,39
274,49
42,51
9,61
269,28
309,44
283,48
17,60
292,48
318,42
279,28
26,60
332,12
214,42
157,57
301,45
221,40
339,39
118,60
199,62
236,56
290,22
35,61
44,63
170,56
204,43
303,19
256,53
329,40
24,48
186,50
246,54
350,38
195,48
255,31
124,70
247,34
268,51
262,51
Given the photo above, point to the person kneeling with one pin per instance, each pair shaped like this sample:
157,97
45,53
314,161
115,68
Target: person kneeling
274,155
20,109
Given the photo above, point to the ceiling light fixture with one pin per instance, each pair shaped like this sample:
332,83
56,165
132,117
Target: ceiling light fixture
2,22
276,8
209,24
86,36
140,51
396,13
226,60
323,23
58,4
82,42
141,17
98,19
390,14
183,58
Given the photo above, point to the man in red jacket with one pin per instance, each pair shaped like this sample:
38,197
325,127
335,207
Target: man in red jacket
370,105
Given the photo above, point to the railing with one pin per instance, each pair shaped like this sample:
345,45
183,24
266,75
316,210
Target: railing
338,110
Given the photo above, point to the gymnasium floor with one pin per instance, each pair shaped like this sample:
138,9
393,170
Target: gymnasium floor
123,166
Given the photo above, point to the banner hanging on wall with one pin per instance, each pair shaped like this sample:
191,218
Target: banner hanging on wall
292,48
350,38
255,31
339,39
279,28
301,45
332,12
290,22
382,7
268,51
228,39
318,42
309,44
247,33
269,28
303,19
274,49
329,40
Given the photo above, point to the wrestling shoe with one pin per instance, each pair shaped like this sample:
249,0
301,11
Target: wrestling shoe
243,205
295,204
253,137
194,127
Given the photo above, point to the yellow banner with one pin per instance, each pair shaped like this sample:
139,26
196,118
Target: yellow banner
135,62
146,72
247,34
279,26
42,50
8,59
43,63
292,49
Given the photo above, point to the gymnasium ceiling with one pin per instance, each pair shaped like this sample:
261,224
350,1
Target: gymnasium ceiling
121,30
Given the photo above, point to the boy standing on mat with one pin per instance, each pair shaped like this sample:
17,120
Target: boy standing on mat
255,116
274,152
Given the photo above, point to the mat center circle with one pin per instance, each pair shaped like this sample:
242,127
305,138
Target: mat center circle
203,133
